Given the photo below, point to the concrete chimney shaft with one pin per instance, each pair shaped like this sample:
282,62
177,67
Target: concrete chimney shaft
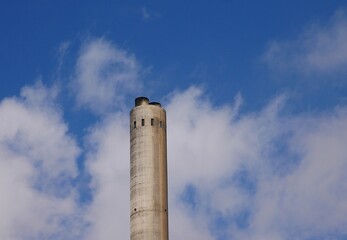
148,171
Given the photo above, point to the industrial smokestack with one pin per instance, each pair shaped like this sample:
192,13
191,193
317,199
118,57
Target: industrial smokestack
148,171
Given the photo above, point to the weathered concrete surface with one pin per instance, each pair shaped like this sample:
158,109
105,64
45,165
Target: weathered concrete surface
148,172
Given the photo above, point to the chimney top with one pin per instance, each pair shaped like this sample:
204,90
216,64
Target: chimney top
145,101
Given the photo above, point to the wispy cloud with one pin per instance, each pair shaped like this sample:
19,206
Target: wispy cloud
105,75
319,49
62,50
145,13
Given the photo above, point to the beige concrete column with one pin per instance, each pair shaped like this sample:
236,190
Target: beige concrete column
148,172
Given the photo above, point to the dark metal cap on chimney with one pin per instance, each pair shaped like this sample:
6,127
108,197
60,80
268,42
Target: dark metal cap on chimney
155,104
141,101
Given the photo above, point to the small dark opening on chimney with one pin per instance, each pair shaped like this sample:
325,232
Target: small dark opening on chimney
134,124
143,122
135,209
160,124
152,121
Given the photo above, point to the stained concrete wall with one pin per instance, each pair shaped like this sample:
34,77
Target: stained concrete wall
148,172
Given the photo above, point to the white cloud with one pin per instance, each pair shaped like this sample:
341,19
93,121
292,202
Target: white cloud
105,74
284,172
319,49
295,165
316,189
37,157
259,175
108,163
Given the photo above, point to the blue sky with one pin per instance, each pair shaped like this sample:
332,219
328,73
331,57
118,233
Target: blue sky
255,93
